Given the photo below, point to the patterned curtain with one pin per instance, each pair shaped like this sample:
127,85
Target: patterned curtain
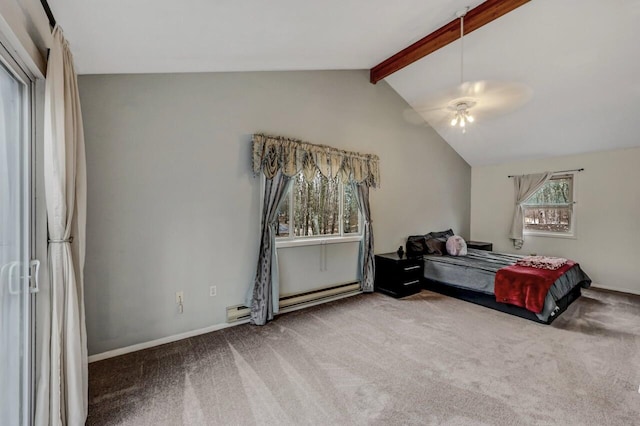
366,264
265,297
290,156
525,186
280,159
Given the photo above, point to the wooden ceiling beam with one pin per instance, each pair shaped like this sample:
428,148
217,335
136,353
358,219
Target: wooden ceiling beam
474,19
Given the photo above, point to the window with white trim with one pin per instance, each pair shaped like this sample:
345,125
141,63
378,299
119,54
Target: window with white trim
550,210
320,208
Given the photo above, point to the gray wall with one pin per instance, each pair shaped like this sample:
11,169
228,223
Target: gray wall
173,205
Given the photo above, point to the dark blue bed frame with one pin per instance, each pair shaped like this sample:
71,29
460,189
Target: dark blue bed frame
490,301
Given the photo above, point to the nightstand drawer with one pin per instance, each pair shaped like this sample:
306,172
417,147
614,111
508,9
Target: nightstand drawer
409,283
407,269
410,273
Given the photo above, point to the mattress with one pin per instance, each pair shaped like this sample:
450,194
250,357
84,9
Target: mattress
477,271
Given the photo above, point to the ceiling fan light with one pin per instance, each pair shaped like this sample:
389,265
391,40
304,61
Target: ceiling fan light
462,123
470,118
454,121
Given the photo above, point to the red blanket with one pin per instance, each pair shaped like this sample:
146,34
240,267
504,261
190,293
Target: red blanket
525,286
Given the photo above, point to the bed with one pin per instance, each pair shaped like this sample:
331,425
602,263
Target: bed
472,278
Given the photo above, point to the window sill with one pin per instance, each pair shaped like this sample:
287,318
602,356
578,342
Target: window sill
571,236
317,241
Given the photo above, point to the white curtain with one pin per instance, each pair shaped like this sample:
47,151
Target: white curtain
62,386
525,186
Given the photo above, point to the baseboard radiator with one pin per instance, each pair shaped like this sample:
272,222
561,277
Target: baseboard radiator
301,300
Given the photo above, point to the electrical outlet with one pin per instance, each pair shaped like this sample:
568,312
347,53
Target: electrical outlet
213,291
180,301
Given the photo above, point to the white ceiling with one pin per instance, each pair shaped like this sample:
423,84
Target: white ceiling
152,36
581,62
579,59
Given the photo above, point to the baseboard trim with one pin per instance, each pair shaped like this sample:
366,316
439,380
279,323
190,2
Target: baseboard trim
617,289
169,339
174,338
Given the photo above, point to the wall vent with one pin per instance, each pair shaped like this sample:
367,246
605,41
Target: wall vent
301,300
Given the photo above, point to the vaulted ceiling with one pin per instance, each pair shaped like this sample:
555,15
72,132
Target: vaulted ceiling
151,36
578,60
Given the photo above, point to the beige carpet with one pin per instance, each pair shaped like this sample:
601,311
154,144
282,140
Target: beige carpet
371,359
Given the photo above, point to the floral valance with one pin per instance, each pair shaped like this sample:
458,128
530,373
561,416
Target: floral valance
275,153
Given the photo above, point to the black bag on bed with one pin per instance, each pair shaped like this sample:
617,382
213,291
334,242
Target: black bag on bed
416,245
440,236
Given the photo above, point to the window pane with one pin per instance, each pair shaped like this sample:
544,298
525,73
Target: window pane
558,190
549,219
550,209
283,219
350,224
316,206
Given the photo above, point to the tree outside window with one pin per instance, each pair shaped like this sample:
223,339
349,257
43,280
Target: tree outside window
318,207
550,209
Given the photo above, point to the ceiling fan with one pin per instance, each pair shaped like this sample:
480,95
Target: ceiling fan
471,100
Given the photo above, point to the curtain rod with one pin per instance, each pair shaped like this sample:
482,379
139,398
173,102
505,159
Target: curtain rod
47,10
558,171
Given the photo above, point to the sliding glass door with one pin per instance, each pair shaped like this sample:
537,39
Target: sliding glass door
15,247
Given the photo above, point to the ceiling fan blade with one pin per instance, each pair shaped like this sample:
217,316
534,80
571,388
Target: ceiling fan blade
486,99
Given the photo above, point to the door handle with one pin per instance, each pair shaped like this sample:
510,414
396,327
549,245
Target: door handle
9,268
34,276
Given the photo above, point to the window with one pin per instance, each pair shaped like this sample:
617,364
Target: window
321,207
551,209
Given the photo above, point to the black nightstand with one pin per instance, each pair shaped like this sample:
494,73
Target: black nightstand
480,245
398,277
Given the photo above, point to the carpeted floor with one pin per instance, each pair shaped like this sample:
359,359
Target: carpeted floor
371,359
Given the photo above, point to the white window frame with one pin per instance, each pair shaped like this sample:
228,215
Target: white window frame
571,234
11,60
312,240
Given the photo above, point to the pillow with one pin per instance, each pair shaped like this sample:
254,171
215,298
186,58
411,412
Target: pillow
456,246
416,245
436,247
440,236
